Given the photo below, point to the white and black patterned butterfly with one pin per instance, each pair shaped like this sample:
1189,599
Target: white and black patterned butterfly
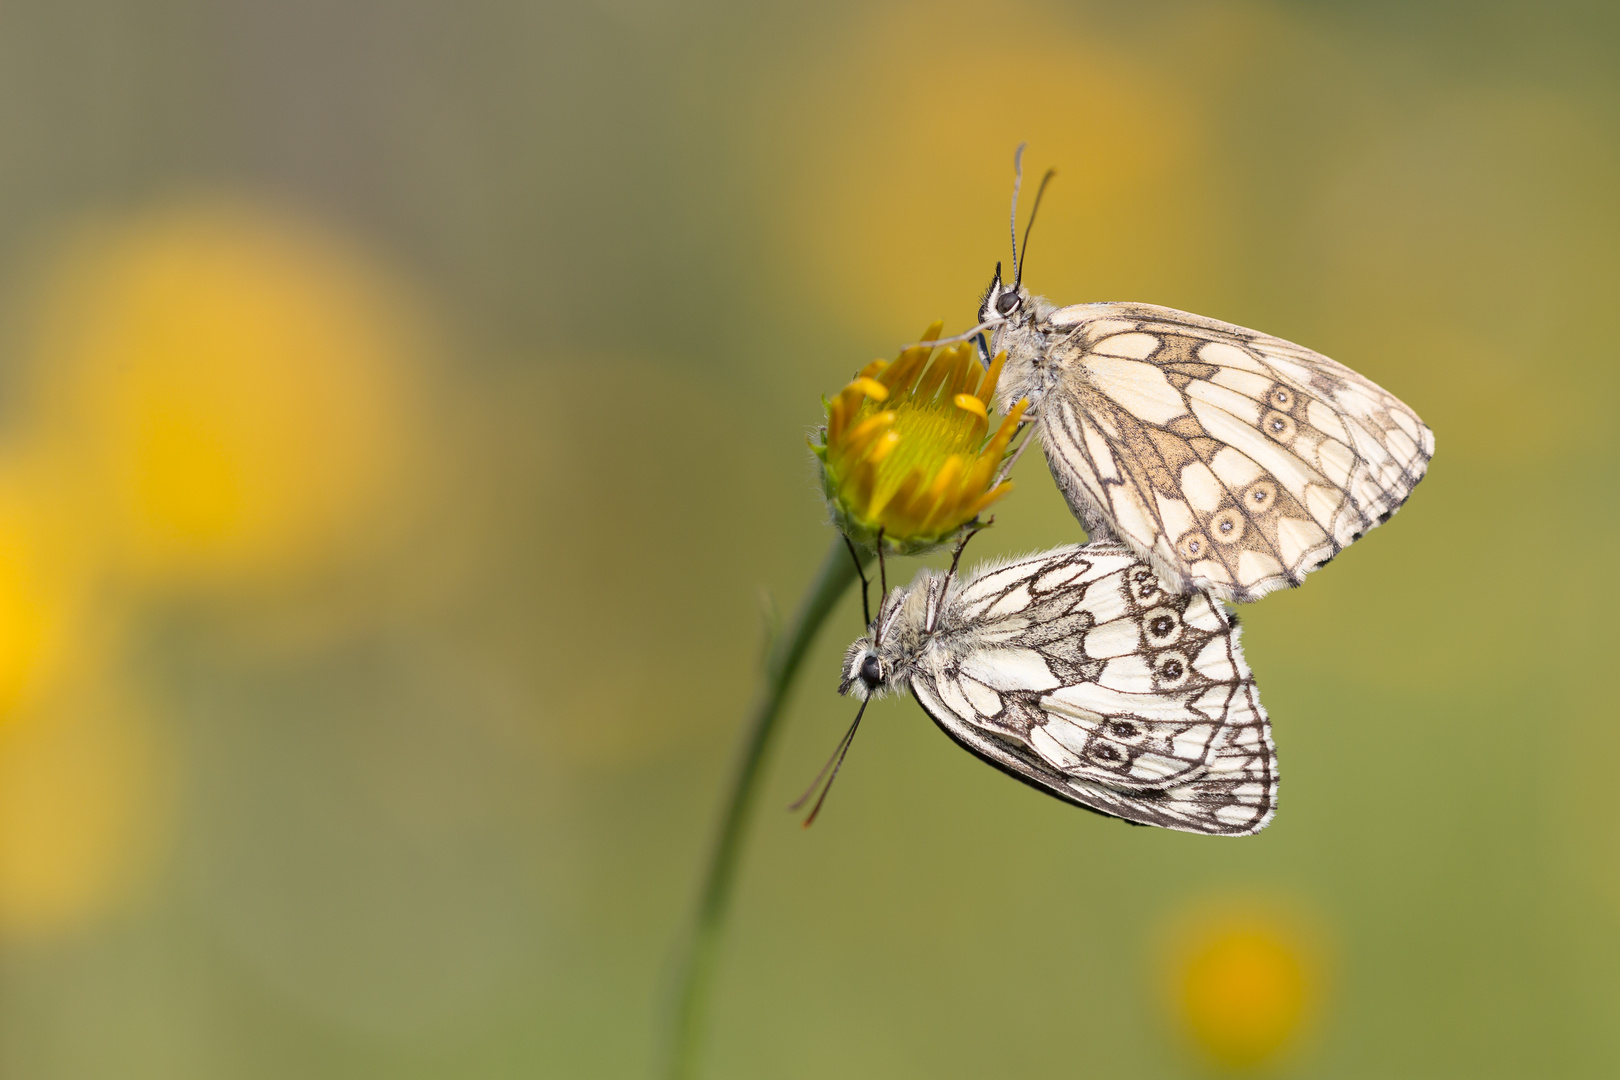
1235,461
1076,671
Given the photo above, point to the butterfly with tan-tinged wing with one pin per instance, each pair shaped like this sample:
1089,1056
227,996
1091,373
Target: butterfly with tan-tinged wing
1078,672
1234,461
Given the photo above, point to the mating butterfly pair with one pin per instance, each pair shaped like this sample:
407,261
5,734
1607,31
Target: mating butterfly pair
1207,462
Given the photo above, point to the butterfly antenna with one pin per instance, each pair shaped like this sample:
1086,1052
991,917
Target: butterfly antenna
1018,268
866,606
1018,178
883,571
834,763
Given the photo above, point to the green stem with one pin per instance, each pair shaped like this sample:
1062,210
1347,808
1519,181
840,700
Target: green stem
696,974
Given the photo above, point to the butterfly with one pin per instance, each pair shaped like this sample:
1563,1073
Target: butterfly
1078,672
1235,462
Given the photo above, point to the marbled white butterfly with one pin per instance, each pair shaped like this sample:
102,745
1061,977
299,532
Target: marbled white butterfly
1234,461
1076,671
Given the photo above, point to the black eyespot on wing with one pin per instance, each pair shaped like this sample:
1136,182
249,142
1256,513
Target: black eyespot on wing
1227,526
1279,426
1170,671
1144,584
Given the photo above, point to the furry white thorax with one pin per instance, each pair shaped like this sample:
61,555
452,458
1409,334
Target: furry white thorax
900,635
1025,336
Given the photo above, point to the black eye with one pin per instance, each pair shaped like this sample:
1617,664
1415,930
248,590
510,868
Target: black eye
1006,302
871,671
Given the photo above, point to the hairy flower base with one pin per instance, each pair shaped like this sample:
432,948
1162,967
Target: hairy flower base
908,451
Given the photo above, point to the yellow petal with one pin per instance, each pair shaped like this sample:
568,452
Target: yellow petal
990,497
870,387
885,444
868,429
931,381
987,389
969,403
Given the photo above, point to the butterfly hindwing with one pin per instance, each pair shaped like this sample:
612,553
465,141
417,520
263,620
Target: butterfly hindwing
1235,461
1079,673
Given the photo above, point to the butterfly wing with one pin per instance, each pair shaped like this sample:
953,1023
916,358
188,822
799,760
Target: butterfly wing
1078,673
1235,461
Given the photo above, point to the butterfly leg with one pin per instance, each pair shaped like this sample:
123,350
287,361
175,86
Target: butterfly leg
961,545
984,349
956,557
866,606
1012,459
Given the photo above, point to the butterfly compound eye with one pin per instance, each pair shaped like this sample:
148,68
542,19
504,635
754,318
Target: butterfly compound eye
871,671
1006,302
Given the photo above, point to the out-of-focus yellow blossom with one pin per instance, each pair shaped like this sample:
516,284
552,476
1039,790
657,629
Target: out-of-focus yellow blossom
1243,987
217,398
232,387
908,451
49,569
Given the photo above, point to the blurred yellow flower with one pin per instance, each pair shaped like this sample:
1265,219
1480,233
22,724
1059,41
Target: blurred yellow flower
231,385
907,450
48,573
222,396
1243,985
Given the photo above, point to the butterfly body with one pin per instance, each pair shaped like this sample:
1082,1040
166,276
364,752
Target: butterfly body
1236,462
1079,673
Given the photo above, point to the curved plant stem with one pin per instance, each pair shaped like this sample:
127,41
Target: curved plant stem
696,973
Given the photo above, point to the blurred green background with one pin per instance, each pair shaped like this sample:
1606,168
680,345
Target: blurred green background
402,414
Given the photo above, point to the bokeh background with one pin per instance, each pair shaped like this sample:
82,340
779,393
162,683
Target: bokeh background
402,413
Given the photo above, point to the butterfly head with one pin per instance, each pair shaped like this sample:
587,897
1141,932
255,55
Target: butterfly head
865,672
1003,303
880,660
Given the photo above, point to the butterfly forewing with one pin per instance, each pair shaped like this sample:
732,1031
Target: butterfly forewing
1078,672
1235,461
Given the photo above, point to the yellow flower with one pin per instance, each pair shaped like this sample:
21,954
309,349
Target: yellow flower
1244,987
230,388
908,452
